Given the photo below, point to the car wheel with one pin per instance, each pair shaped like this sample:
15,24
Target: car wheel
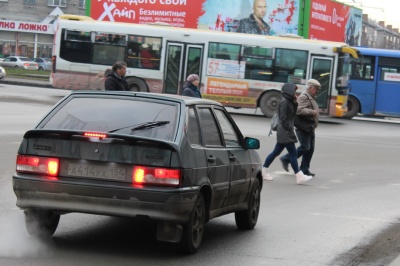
16,67
248,219
40,223
41,68
192,234
269,103
353,107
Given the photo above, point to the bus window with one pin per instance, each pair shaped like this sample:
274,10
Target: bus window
223,60
258,62
364,70
223,51
389,65
107,54
193,66
71,35
290,65
143,52
76,47
103,37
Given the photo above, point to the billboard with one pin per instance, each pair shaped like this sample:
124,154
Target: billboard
319,19
221,15
333,21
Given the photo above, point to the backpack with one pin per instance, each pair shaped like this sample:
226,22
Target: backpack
274,123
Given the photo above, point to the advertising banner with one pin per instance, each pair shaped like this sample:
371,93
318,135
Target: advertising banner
334,21
223,15
323,19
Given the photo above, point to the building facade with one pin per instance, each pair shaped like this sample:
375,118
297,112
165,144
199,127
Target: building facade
378,35
26,26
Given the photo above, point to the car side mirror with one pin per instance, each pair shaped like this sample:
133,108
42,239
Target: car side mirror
251,143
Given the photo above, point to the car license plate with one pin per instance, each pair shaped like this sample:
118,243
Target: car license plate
93,171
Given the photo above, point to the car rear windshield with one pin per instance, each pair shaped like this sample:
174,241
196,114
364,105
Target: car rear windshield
138,117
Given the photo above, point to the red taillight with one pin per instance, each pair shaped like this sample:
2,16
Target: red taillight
37,165
26,64
156,176
95,135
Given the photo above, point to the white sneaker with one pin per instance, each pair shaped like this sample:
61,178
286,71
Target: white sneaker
266,176
302,178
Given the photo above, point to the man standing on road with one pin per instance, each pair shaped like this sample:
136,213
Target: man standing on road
255,24
307,106
115,80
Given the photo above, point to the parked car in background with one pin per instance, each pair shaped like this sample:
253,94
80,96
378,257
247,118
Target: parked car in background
44,63
2,73
177,160
19,62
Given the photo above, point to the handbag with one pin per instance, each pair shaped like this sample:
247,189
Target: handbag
274,123
304,123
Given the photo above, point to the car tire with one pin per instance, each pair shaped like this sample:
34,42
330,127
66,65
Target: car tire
41,68
16,66
41,223
353,107
269,102
246,220
192,234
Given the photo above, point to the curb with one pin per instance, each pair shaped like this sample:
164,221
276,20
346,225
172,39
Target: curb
33,83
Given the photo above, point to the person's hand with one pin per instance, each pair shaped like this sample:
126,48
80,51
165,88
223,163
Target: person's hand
314,112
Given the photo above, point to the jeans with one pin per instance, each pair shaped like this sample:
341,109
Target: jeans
306,149
292,155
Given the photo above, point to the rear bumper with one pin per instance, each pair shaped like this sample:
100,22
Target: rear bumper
172,205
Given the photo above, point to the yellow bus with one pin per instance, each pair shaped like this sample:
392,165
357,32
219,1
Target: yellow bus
238,70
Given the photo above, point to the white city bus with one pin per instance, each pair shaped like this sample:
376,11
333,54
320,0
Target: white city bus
238,70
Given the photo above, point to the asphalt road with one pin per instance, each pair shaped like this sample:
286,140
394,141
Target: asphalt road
348,215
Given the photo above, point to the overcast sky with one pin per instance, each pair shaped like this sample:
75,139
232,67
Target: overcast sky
386,10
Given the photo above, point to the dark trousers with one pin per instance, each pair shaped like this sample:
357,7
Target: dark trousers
292,156
305,150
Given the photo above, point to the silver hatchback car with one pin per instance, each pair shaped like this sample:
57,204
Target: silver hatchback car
177,160
19,62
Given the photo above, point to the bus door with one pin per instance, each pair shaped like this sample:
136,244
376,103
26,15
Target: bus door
387,87
182,59
322,70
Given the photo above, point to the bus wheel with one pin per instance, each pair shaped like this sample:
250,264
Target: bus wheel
353,107
269,102
136,84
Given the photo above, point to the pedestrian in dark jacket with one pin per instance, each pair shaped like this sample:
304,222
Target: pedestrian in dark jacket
115,79
286,137
190,88
308,107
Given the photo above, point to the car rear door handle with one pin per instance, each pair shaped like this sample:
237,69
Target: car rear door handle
211,159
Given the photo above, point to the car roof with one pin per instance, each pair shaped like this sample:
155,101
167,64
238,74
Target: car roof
158,96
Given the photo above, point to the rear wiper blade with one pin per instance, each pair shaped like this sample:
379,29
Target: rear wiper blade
149,125
141,126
